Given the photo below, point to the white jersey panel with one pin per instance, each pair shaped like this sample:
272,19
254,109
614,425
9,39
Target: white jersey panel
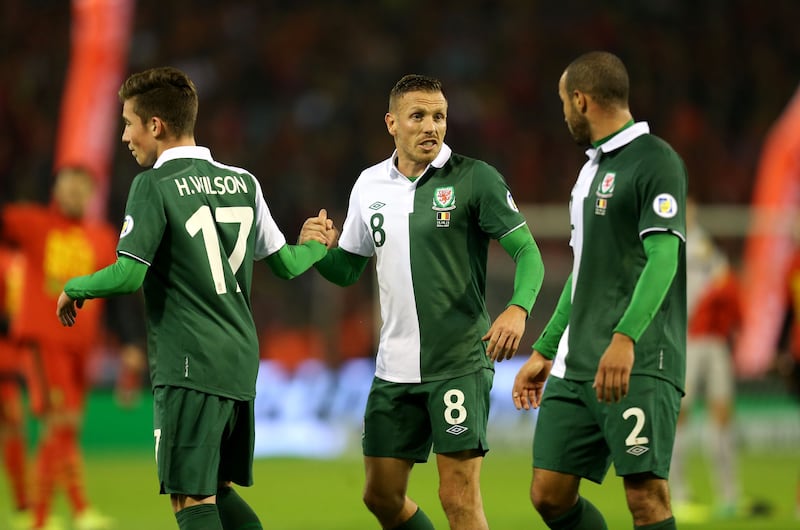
579,193
559,368
269,238
377,222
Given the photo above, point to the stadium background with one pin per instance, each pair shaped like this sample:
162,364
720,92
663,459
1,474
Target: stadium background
295,91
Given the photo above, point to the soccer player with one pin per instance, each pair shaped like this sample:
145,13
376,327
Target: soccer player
58,241
12,417
192,229
618,333
428,215
714,318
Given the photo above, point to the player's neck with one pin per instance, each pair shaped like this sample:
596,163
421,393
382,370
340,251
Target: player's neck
185,141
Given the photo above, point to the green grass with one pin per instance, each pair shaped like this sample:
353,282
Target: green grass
298,494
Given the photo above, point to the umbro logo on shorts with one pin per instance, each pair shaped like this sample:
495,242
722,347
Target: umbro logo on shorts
637,450
455,430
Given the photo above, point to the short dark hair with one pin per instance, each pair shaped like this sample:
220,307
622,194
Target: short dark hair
600,74
413,83
165,92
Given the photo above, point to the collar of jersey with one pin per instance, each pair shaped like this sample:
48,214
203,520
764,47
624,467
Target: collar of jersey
183,151
439,161
624,137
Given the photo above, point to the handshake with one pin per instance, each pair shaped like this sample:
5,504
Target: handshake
319,228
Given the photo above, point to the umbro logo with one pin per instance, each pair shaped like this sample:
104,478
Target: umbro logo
637,450
377,205
455,430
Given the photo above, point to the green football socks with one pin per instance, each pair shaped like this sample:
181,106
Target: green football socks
583,516
667,524
234,512
418,521
199,517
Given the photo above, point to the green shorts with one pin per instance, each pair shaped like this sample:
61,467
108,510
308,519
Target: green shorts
404,420
201,440
578,435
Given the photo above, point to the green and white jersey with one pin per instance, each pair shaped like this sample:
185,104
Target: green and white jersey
431,239
199,225
633,185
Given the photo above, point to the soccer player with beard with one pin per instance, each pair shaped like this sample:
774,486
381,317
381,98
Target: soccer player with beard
615,347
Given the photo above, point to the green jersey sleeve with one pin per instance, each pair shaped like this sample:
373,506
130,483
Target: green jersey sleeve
547,343
121,277
653,284
291,261
341,267
529,273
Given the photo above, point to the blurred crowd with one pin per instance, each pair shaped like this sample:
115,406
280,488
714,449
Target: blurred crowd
296,91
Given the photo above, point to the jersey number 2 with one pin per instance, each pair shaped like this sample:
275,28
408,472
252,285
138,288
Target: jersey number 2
202,221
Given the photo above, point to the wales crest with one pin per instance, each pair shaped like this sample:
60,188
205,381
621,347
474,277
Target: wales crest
444,199
606,187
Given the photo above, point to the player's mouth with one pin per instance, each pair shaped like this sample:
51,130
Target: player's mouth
429,145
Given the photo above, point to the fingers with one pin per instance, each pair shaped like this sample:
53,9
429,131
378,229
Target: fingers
501,346
611,387
65,310
67,315
323,215
518,401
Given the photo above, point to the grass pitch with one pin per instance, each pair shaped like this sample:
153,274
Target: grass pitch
300,494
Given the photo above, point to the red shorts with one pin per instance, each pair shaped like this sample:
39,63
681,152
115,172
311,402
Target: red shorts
11,358
57,378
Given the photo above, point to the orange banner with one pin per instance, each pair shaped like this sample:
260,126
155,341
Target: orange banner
90,110
769,246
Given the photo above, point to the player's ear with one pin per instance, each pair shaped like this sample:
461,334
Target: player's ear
390,122
157,127
579,98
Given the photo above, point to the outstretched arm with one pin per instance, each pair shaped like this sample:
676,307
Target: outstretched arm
121,277
338,266
291,261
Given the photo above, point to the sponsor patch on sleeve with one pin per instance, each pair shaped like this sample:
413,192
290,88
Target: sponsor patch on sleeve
665,206
127,226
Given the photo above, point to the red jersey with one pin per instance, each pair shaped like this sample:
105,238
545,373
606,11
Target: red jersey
793,283
56,248
10,294
718,311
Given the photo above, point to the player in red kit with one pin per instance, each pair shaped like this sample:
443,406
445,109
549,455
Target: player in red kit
12,420
58,242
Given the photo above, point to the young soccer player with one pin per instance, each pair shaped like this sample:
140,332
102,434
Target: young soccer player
192,230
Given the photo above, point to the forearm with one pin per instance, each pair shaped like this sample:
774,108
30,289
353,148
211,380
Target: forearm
291,261
341,267
547,343
654,282
529,273
122,277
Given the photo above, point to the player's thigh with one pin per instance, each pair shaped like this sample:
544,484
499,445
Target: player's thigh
188,429
396,423
49,371
238,445
721,376
696,369
11,413
640,430
568,438
459,413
